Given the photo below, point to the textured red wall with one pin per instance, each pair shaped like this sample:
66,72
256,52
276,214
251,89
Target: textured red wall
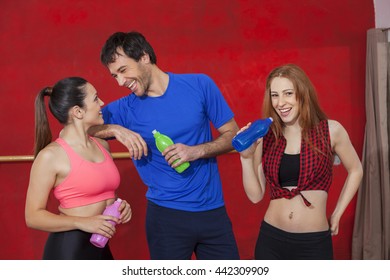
235,42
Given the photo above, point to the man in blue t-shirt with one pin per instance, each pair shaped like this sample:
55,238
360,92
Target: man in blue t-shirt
185,211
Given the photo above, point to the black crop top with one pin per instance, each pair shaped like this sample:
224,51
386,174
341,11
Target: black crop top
289,170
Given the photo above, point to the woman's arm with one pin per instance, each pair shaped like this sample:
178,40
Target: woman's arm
343,147
252,171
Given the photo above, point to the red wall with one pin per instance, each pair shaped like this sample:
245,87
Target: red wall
235,42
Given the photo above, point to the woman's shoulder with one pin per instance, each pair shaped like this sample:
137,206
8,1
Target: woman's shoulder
51,152
334,126
337,131
50,158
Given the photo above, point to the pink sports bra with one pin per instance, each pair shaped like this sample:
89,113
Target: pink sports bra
87,182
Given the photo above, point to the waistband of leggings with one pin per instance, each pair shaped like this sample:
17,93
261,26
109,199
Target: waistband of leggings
275,232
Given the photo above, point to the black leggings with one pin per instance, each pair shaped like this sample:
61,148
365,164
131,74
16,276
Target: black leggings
276,244
74,245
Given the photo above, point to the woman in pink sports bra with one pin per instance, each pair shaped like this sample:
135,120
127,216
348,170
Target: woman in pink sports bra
78,169
295,160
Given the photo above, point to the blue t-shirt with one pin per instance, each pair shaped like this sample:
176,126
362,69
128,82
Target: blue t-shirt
184,113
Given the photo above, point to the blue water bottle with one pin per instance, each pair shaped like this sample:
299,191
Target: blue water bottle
245,139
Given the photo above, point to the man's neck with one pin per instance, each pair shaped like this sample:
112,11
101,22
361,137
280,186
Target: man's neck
160,81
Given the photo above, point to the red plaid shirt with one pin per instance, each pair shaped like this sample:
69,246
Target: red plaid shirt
315,168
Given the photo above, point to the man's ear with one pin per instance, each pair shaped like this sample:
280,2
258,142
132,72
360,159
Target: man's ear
77,112
145,58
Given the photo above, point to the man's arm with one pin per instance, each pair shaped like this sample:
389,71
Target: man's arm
222,144
130,139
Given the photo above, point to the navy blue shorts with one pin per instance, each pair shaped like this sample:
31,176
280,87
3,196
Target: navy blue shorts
276,244
176,234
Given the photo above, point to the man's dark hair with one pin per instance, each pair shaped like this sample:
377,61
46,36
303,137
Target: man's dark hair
133,44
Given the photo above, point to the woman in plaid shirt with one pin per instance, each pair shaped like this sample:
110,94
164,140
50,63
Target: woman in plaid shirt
295,159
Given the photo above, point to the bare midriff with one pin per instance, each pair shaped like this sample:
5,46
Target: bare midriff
292,215
87,210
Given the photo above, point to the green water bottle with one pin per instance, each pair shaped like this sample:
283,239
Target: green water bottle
162,142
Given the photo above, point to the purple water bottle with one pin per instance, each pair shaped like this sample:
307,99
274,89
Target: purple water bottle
245,139
111,210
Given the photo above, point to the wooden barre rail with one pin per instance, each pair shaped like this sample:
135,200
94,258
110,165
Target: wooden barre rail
31,158
119,155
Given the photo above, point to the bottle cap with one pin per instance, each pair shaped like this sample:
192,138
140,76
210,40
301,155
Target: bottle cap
154,131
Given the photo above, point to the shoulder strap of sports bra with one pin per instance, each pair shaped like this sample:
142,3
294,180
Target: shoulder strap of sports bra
64,145
101,147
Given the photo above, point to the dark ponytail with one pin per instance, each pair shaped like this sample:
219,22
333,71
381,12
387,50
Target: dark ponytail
65,94
42,129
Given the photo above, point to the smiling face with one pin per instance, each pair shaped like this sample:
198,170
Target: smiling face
92,106
284,100
130,73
